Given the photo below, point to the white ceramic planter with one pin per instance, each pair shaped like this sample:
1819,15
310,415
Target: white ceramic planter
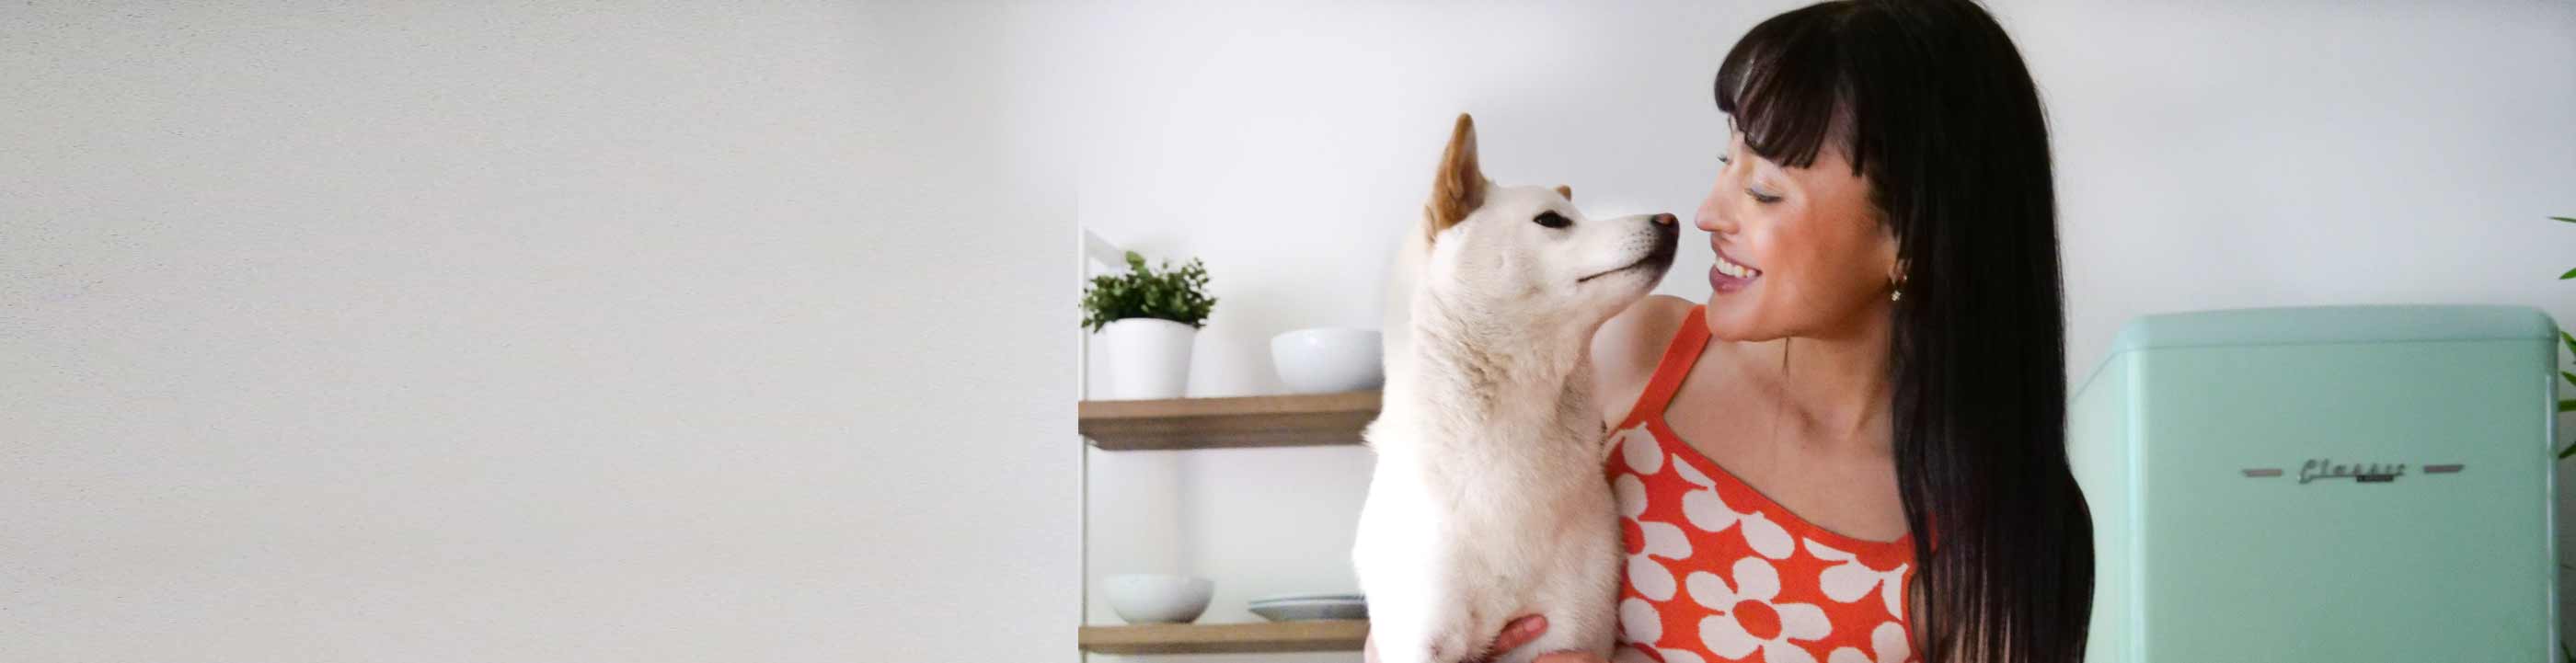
1148,358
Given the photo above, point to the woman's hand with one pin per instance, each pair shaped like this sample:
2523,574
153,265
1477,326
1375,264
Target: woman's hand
1519,631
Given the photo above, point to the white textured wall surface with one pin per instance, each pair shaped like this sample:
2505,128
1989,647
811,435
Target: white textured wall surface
529,332
672,331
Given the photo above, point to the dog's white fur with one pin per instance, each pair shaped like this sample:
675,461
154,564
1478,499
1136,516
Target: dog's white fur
1488,500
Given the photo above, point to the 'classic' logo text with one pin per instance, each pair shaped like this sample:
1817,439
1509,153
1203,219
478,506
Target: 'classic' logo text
2324,468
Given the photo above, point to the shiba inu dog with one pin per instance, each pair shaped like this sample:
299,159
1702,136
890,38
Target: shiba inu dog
1488,500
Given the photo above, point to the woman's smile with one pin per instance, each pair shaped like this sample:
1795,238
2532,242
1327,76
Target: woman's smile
1728,275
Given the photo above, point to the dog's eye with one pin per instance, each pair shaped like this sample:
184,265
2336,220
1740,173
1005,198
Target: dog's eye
1552,220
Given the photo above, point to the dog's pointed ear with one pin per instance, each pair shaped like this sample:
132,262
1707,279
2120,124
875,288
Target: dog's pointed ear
1460,187
1566,191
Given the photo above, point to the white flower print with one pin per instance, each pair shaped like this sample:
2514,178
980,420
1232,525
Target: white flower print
1850,580
1636,653
1709,512
1888,639
1747,619
1639,618
1691,474
1661,540
1638,448
1637,445
1639,622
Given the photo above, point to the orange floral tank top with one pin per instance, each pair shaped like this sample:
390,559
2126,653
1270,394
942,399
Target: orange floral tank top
1718,572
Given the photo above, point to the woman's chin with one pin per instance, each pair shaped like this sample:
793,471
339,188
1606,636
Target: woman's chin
1730,319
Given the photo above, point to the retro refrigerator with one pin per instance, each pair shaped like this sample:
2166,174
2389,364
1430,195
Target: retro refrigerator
2339,484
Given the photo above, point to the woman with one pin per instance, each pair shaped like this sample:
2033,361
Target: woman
1855,449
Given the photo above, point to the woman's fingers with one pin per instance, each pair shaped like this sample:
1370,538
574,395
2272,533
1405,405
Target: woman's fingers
1516,633
1567,657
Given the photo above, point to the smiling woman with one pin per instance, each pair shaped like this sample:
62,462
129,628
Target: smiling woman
1855,449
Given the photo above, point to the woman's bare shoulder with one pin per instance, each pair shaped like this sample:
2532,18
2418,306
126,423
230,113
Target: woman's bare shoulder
1626,349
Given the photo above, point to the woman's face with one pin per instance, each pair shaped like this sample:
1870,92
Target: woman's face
1800,251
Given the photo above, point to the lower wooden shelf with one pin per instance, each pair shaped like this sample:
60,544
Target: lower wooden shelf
1256,638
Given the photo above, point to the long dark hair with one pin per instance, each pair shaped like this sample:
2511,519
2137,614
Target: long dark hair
1932,104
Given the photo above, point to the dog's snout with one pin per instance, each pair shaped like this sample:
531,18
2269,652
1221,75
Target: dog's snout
1666,219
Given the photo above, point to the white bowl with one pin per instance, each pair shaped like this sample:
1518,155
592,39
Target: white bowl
1329,359
1147,598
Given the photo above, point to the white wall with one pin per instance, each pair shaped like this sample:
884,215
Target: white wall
2211,155
530,332
684,332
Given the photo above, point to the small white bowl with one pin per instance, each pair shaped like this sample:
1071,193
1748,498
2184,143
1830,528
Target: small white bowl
1329,359
1147,598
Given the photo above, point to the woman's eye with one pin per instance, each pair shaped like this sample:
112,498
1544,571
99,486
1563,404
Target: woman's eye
1760,197
1724,160
1552,220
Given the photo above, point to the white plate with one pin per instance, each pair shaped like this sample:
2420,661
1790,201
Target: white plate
1275,598
1290,611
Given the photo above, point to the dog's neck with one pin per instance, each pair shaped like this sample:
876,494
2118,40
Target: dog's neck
1486,374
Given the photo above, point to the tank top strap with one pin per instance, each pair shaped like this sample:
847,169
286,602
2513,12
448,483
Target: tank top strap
1678,358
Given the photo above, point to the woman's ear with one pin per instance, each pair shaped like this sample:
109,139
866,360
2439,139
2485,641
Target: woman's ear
1888,251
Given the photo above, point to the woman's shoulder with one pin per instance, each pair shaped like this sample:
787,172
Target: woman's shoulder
1644,327
1626,349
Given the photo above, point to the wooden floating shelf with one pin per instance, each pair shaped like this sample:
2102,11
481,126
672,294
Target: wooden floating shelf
1257,638
1228,423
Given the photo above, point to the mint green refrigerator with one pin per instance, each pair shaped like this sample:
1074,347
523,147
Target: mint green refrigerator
2343,484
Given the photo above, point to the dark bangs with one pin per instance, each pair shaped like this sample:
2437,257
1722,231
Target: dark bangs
1783,84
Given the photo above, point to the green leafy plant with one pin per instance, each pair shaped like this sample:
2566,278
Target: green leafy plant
2566,405
1178,295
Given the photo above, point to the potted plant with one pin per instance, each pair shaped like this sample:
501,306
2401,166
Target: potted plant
2565,405
1147,319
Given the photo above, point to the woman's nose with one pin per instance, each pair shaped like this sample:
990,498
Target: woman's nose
1709,218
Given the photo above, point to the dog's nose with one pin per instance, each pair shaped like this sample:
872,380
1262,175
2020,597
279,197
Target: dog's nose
1665,219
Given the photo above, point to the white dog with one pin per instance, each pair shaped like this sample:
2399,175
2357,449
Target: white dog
1488,501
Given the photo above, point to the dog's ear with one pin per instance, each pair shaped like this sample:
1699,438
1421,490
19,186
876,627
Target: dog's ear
1566,191
1460,187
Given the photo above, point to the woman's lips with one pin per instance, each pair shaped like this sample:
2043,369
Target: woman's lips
1728,275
